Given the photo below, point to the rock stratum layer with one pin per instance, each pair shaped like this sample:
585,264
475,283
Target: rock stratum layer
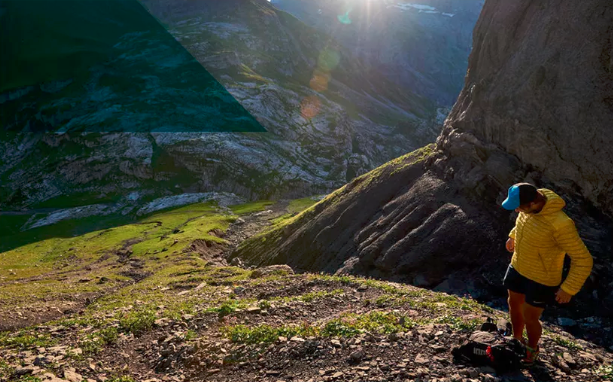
536,107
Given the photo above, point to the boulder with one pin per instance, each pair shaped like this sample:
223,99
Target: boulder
271,270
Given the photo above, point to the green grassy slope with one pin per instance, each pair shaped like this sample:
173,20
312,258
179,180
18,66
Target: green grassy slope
171,231
168,242
262,248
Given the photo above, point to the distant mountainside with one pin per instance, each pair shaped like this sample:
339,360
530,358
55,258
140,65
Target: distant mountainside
328,116
422,46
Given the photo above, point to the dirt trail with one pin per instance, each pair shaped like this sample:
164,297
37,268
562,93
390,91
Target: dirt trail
252,224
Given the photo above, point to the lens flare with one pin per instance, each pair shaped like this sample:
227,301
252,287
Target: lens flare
344,18
320,80
309,107
328,59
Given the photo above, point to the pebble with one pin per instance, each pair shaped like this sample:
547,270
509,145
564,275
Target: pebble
421,359
254,309
71,375
24,370
357,356
568,359
563,321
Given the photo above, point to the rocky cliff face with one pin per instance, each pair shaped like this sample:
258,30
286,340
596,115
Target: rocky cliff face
328,116
536,106
540,86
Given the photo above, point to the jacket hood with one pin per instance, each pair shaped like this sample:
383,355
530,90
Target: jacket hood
554,202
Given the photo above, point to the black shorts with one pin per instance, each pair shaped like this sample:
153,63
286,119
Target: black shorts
537,295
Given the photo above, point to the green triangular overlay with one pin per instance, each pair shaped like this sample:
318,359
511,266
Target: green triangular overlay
102,66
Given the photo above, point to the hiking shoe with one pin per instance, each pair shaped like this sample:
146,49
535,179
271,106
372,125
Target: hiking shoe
531,356
518,347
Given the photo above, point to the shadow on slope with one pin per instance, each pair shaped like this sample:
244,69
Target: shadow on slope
105,66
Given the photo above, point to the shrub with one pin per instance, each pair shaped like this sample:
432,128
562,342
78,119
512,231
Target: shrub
137,322
109,335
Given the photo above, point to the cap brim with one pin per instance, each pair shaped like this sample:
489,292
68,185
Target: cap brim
509,204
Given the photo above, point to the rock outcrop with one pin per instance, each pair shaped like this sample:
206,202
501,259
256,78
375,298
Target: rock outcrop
536,107
540,86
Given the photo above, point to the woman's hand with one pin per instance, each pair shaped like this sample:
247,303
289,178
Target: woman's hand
510,245
563,297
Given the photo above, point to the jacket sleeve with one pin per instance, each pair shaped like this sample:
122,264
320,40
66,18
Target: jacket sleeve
581,261
514,230
512,233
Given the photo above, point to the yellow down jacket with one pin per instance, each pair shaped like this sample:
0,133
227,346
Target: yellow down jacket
542,239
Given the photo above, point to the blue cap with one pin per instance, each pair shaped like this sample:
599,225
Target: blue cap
520,194
512,200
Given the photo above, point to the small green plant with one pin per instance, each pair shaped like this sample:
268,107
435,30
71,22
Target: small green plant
28,378
308,297
267,333
244,334
124,378
346,326
338,328
91,344
137,322
458,323
459,303
71,322
227,308
190,335
605,372
384,300
567,343
5,370
373,322
468,325
311,296
428,305
25,340
109,335
345,280
264,305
